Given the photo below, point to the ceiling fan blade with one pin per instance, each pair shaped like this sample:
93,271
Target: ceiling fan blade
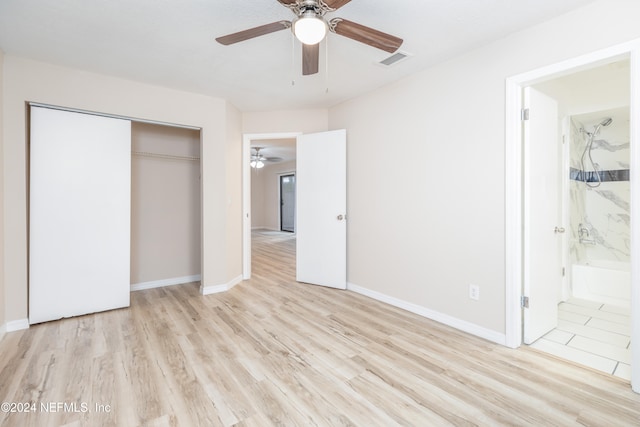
335,4
253,32
310,58
365,35
287,2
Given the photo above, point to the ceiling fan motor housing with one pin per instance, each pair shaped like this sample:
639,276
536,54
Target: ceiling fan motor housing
315,6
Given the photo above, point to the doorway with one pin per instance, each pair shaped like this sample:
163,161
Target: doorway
585,268
288,202
517,243
265,188
320,213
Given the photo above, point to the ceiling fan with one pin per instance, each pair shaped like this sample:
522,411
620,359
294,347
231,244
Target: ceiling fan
258,160
310,27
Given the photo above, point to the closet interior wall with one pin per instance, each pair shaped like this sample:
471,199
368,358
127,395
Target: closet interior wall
165,205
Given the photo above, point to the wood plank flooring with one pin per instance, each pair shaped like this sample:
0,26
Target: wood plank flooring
273,352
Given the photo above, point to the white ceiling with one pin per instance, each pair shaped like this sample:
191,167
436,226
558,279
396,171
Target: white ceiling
171,43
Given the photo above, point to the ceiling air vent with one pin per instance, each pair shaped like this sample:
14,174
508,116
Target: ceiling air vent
394,59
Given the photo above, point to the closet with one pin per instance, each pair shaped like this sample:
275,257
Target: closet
114,206
165,205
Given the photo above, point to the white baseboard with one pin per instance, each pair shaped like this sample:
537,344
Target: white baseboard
234,281
445,319
165,282
216,289
17,325
3,331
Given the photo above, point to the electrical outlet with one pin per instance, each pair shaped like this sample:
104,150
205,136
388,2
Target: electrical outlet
474,292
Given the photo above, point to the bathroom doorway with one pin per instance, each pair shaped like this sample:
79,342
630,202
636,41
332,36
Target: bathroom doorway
622,60
592,324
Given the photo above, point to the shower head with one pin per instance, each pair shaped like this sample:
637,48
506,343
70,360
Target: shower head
605,122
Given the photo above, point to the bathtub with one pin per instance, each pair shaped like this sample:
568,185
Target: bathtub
608,282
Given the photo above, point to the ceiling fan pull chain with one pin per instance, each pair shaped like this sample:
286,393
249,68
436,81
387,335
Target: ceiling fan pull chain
326,65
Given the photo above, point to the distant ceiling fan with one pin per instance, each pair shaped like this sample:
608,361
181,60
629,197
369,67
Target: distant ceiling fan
258,160
310,28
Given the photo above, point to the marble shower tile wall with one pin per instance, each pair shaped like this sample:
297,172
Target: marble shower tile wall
577,204
600,216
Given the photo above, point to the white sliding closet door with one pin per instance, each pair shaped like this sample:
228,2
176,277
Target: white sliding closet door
79,225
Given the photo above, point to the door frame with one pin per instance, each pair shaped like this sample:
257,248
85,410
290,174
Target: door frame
514,241
246,192
280,176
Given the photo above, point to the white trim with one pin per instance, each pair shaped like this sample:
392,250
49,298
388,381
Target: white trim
445,319
165,282
246,193
234,281
3,331
17,325
513,186
634,133
216,289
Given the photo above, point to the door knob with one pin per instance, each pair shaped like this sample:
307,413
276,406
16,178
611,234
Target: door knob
340,217
558,230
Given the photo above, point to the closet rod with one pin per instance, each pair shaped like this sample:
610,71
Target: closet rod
164,156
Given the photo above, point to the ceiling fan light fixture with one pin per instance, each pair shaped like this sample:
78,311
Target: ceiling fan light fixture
256,164
309,28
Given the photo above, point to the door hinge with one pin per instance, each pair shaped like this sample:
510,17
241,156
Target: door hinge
524,302
564,271
524,114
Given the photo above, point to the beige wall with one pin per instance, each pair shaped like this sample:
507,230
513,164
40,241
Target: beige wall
233,163
165,204
305,121
27,80
2,293
265,194
596,89
257,199
436,220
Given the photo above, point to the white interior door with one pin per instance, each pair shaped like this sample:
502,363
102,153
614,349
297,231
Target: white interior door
80,180
321,196
542,214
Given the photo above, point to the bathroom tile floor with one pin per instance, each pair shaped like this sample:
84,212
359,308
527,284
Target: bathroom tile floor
592,334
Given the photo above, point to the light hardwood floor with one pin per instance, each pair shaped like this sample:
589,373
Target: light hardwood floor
275,352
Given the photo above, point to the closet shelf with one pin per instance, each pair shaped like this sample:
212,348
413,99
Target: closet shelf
164,156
